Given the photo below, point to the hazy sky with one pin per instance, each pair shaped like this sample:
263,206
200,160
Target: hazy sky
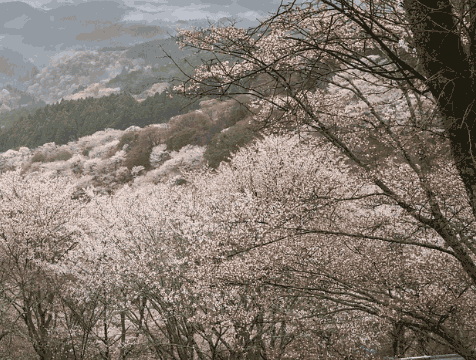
40,29
156,11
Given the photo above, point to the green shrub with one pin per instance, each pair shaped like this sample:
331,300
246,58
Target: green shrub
86,151
235,110
38,157
192,128
223,144
154,135
77,168
180,181
62,155
140,146
126,139
180,139
138,156
79,89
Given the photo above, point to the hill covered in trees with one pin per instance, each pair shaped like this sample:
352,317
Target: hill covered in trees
347,231
132,118
153,136
82,92
8,118
72,119
82,73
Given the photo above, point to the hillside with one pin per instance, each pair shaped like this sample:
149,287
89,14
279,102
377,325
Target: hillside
78,74
134,69
78,70
71,119
9,117
110,158
141,71
110,117
13,66
13,98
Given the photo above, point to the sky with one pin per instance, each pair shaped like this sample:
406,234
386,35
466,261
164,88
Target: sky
157,11
41,29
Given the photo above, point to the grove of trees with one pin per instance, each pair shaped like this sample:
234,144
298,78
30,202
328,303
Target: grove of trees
71,119
392,91
345,231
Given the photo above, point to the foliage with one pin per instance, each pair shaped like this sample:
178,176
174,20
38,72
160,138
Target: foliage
86,151
78,89
199,127
139,146
192,128
38,157
69,120
133,82
37,231
224,144
7,119
61,155
398,111
346,230
126,139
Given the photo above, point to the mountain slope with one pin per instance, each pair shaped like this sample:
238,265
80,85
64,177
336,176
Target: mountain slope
71,119
109,158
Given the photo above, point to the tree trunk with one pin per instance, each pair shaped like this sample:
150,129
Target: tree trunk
450,80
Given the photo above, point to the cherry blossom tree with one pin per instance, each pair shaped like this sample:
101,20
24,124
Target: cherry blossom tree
139,252
373,81
36,232
294,216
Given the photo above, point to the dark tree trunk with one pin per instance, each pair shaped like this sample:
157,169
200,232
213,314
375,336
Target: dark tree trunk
449,76
450,79
448,69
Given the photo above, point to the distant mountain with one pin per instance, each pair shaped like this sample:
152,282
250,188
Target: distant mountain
113,48
134,69
40,34
14,15
61,25
109,30
13,98
78,69
9,117
8,80
154,51
90,90
13,65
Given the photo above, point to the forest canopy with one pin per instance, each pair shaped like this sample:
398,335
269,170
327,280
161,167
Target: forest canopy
387,97
346,230
69,120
